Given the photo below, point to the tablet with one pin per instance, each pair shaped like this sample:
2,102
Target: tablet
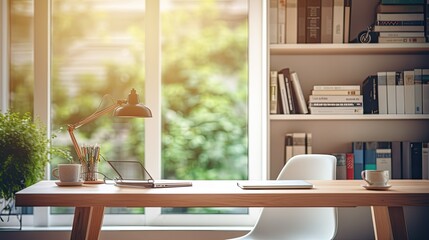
274,184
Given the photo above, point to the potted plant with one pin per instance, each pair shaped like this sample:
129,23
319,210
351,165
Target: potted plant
24,152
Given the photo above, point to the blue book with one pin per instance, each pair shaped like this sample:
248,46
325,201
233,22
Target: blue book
358,157
370,156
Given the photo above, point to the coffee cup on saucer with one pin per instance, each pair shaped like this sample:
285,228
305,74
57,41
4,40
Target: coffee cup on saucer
376,179
68,174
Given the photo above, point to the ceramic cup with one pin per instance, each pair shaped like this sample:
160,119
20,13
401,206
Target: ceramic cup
67,172
377,178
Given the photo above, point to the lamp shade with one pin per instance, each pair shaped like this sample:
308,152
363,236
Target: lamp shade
132,108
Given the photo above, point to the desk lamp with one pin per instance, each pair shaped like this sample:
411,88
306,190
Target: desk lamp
122,108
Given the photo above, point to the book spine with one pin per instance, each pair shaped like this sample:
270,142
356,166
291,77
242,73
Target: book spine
338,22
348,98
381,28
309,143
283,94
370,155
288,146
418,91
326,21
336,110
349,166
391,92
347,17
337,87
400,93
335,104
370,95
401,23
281,13
416,160
358,153
400,17
383,8
292,21
341,173
335,92
313,21
384,157
425,160
382,92
301,105
273,22
401,40
408,77
289,92
402,2
425,90
406,160
273,92
396,160
302,17
299,140
401,34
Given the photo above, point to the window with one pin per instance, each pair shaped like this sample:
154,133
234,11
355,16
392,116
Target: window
196,64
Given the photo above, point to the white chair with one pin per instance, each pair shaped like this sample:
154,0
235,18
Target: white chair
299,223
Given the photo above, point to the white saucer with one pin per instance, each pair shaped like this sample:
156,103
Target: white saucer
63,184
369,187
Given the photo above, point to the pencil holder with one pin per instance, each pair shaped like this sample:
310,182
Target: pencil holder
90,172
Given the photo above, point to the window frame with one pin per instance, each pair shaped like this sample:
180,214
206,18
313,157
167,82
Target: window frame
257,102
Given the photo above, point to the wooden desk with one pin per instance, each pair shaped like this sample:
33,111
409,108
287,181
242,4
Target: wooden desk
90,200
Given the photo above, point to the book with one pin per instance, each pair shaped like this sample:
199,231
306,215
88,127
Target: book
393,28
401,40
273,92
425,90
370,95
281,22
336,110
283,94
408,77
326,21
341,173
425,160
358,154
289,92
407,2
292,21
335,92
400,93
383,8
350,166
400,17
299,143
336,99
383,154
391,92
337,87
273,22
396,160
288,147
406,160
309,143
370,157
302,17
401,34
416,160
335,104
347,16
313,14
338,22
301,106
418,90
382,92
400,23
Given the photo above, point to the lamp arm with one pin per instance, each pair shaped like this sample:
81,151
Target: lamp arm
90,118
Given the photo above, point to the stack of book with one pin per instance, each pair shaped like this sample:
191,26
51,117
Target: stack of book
401,21
297,143
336,99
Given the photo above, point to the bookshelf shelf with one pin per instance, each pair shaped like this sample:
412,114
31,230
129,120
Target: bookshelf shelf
314,49
309,117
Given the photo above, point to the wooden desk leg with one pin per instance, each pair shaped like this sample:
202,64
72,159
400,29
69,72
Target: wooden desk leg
87,223
381,221
397,221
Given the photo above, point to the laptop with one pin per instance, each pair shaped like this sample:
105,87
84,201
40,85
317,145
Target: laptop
134,174
275,184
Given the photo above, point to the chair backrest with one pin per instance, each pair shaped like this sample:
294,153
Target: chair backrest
300,223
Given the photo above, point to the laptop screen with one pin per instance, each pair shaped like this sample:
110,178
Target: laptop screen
130,170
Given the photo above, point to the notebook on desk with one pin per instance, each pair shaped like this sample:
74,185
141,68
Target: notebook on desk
134,174
274,184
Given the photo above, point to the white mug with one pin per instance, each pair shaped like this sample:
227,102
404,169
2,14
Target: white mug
375,177
67,172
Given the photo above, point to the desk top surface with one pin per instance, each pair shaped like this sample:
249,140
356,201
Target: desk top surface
334,193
